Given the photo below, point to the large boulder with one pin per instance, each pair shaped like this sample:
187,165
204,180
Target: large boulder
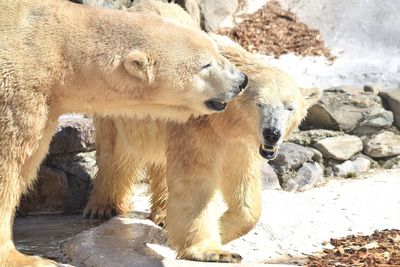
393,163
309,175
48,195
310,137
381,145
65,175
340,147
270,179
349,110
217,14
392,101
352,168
291,157
73,135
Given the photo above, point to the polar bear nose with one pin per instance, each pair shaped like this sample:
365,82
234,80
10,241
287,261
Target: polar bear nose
271,135
244,82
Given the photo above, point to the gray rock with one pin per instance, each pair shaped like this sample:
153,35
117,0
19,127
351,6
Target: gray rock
307,177
62,186
218,14
393,163
310,137
48,194
126,241
82,165
269,177
291,157
318,157
374,123
339,148
392,100
191,6
374,163
73,135
374,89
352,168
384,144
130,236
111,4
347,109
65,176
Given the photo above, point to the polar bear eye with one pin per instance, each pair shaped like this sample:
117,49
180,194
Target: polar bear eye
206,66
290,108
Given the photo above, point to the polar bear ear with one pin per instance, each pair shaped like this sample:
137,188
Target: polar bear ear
138,64
311,96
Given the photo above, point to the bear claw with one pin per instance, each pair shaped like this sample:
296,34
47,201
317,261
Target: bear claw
224,257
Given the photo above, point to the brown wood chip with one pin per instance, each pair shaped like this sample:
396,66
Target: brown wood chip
381,249
274,31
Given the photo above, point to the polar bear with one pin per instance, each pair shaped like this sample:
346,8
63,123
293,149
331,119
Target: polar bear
195,160
59,57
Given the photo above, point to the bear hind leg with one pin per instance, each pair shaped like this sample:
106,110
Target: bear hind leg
159,194
117,173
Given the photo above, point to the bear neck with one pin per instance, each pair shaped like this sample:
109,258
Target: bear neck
238,121
94,44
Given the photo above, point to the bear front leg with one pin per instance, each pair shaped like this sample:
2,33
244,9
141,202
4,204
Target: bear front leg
242,191
192,214
12,186
24,141
117,173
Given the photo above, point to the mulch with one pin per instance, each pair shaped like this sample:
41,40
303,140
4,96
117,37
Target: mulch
275,31
381,249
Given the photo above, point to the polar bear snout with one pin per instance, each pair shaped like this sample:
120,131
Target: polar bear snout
271,135
220,103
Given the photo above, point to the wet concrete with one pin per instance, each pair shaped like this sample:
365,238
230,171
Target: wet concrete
45,235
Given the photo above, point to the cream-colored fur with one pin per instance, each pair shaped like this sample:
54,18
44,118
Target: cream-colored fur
197,159
58,57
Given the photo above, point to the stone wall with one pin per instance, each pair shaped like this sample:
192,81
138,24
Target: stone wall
65,175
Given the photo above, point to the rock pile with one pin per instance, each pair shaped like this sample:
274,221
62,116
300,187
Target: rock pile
351,129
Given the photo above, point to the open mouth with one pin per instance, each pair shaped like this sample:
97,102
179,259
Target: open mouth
216,104
268,152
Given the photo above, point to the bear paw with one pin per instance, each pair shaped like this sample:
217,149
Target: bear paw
158,218
96,210
215,256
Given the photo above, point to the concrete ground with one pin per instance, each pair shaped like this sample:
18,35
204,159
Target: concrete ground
292,225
